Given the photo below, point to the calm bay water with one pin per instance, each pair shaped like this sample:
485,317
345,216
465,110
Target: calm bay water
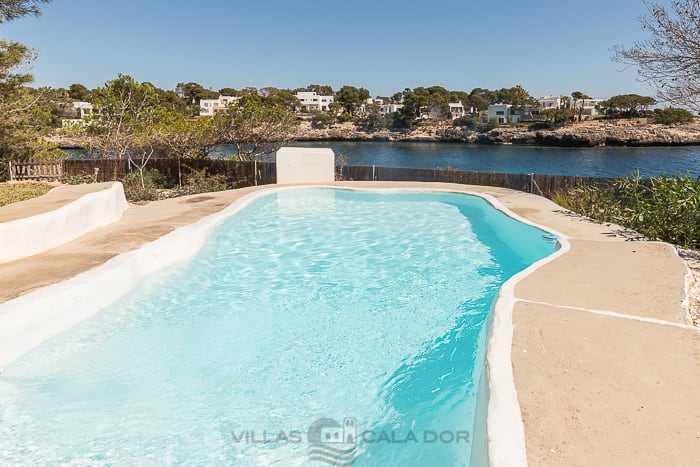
589,162
585,162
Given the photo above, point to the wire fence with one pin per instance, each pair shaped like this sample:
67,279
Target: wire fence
247,173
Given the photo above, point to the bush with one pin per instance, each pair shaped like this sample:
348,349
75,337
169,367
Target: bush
152,182
540,126
77,179
661,208
466,121
199,181
672,115
490,125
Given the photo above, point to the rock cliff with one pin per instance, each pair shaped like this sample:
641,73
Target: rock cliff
609,133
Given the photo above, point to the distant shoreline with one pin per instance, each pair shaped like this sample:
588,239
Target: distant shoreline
587,134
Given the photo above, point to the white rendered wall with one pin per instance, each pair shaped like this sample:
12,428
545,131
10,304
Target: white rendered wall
31,235
305,165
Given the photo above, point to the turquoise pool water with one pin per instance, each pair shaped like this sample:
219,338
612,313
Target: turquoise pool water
311,313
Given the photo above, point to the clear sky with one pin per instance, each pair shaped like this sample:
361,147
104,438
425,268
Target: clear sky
547,46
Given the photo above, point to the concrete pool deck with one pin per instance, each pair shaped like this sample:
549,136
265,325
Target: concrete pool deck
605,366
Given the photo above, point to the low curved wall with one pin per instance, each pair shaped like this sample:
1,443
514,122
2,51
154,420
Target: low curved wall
31,235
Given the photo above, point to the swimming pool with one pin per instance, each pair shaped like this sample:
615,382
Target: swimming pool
310,313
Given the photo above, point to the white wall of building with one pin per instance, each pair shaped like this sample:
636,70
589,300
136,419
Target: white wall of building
208,107
500,112
386,109
311,101
549,102
456,109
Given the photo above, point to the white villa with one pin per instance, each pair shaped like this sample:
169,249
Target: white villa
82,109
208,107
311,101
386,109
588,106
501,112
549,102
456,109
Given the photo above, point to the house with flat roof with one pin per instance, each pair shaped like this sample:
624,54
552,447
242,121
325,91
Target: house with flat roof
501,112
80,110
208,107
586,107
386,109
311,101
549,102
456,109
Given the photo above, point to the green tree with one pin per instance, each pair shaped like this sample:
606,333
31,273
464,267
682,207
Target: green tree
194,92
79,92
671,115
25,113
229,92
255,129
23,122
351,98
320,89
281,97
481,98
14,9
185,138
128,114
628,105
374,119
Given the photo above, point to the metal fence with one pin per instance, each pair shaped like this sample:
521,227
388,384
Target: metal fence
541,184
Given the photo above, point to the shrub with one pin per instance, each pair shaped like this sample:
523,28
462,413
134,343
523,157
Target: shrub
152,182
466,121
540,126
672,115
200,181
661,208
77,179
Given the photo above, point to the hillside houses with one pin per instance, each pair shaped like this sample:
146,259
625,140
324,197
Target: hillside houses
583,109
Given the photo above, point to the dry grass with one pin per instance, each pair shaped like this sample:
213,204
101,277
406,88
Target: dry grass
14,192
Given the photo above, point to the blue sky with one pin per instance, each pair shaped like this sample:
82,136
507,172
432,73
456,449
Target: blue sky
548,46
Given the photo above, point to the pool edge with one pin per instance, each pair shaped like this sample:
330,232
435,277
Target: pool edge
505,430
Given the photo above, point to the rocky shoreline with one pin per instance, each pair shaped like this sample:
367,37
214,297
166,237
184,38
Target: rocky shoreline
586,134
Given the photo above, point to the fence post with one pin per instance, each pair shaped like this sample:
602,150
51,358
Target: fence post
373,177
255,171
10,162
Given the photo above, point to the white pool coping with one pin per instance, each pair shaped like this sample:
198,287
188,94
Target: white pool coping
29,236
31,319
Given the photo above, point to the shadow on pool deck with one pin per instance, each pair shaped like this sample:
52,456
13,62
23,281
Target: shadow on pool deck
594,389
